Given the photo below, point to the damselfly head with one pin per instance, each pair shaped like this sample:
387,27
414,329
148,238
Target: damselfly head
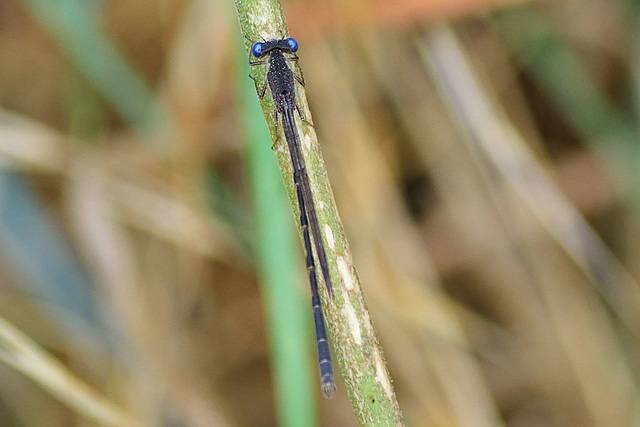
261,49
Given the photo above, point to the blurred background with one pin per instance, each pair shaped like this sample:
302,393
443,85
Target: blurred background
484,156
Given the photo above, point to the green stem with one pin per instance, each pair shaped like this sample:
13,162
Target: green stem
358,351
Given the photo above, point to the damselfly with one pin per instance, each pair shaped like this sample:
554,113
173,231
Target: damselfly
281,81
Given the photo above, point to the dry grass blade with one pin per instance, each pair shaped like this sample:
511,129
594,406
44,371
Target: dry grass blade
19,351
27,144
421,326
546,240
496,140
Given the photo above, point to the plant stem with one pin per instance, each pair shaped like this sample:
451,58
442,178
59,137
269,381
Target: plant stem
358,351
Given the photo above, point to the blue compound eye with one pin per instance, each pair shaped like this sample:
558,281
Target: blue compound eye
293,44
257,50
